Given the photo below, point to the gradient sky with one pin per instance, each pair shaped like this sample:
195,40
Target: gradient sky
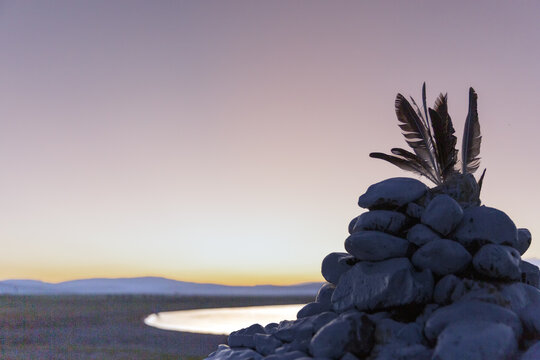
228,141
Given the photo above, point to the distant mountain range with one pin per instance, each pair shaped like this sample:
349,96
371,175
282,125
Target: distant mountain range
157,286
151,286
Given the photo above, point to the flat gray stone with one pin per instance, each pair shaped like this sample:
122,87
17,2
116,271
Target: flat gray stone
476,290
530,274
288,330
304,328
442,294
290,355
392,193
352,223
353,333
331,339
388,331
498,262
324,295
387,221
301,345
348,356
244,337
271,328
442,257
224,352
400,352
470,311
333,267
524,300
420,235
484,225
476,340
380,285
313,308
375,245
442,214
426,313
524,240
533,353
266,344
414,210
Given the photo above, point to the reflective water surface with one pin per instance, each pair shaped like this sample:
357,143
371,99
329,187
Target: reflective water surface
222,320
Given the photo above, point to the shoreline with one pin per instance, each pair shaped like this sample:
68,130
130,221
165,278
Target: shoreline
87,327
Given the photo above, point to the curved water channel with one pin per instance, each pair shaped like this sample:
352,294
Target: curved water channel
221,321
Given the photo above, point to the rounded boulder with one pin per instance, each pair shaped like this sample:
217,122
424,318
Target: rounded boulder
442,257
392,193
498,262
375,246
484,225
442,214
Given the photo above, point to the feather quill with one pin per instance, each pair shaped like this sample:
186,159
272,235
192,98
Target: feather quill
470,148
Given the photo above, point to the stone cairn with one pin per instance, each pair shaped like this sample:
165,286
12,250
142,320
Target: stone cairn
424,277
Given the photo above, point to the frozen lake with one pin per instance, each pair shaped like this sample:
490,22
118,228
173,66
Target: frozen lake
221,320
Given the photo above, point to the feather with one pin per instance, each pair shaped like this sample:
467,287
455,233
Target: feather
414,130
407,155
402,164
445,140
418,111
424,103
470,148
481,181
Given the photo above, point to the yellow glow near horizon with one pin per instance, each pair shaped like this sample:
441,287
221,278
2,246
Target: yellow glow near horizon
223,278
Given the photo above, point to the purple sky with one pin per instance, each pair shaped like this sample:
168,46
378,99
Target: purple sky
228,141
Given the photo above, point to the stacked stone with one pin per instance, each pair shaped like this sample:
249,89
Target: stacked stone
424,277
